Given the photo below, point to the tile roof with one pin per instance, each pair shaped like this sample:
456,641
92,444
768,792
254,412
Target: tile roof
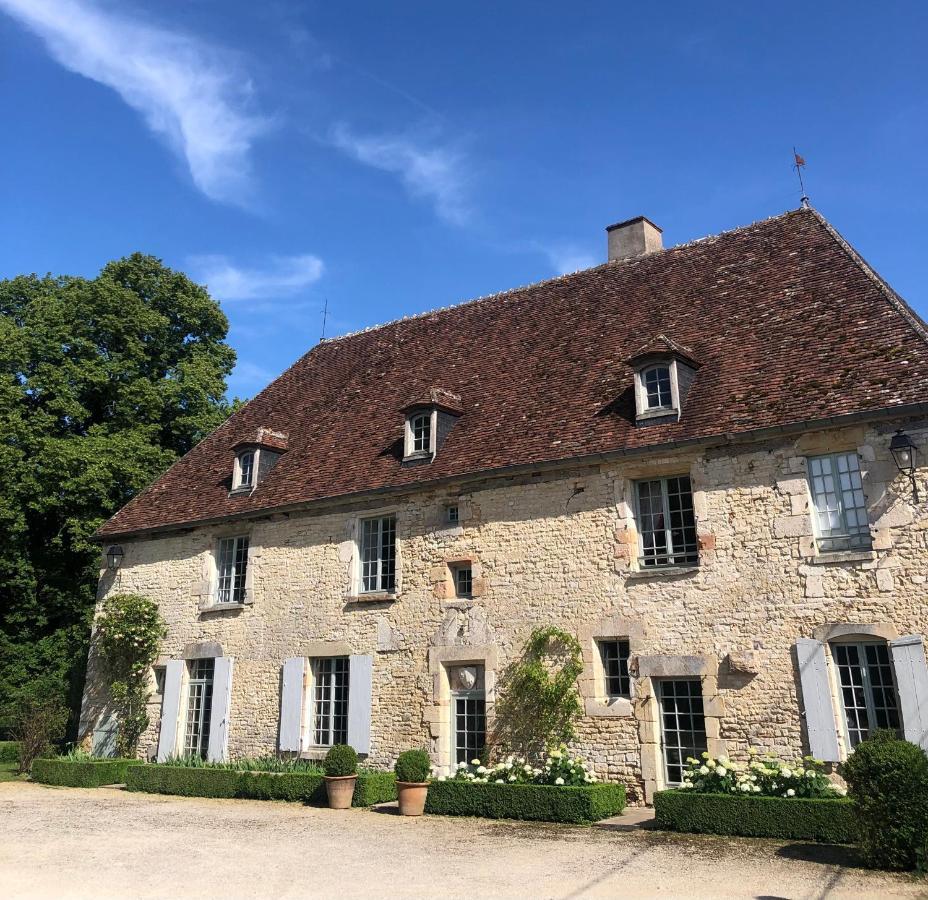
787,322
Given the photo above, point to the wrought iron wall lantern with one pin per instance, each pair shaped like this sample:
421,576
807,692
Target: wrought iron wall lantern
114,557
905,455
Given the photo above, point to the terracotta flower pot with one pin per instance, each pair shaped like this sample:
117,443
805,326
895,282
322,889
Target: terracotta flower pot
412,797
340,789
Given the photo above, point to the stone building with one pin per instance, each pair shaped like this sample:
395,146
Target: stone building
704,461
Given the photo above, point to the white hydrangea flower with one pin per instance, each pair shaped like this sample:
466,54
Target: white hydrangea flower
722,771
473,762
790,793
703,770
558,780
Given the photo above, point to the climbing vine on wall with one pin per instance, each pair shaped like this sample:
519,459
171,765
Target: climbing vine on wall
127,636
538,697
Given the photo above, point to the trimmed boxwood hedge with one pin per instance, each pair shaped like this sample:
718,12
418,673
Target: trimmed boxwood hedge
9,751
82,773
187,781
540,802
828,821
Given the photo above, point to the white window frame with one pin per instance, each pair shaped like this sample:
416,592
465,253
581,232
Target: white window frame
456,570
237,483
476,694
453,514
871,706
379,588
312,701
205,686
860,539
217,589
409,444
641,392
673,556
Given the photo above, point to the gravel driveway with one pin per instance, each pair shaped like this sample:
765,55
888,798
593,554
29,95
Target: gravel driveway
65,842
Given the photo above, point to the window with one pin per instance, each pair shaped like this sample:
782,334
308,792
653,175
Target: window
199,707
840,509
378,554
246,469
683,725
470,713
231,569
453,514
868,692
160,675
330,700
614,655
656,385
421,428
463,579
666,523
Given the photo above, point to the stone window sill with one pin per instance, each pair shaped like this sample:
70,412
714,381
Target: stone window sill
620,707
838,557
223,607
373,597
663,571
242,491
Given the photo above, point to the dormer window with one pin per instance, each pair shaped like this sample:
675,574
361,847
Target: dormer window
664,372
421,427
429,419
246,469
658,393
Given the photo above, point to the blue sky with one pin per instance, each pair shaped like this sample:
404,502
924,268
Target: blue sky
396,157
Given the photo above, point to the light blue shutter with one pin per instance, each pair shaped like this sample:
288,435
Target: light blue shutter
816,700
911,672
291,704
104,736
222,701
170,708
360,676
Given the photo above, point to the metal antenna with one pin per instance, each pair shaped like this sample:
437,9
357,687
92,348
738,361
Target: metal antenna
799,163
325,315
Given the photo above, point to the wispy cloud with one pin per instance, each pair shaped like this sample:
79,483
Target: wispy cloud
433,173
191,94
567,258
281,276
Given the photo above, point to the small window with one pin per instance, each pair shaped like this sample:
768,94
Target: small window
656,384
614,655
199,707
232,567
841,521
378,554
453,514
160,674
666,523
463,579
330,700
421,427
246,468
868,691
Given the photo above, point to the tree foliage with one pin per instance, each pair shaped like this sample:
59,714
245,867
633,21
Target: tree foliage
539,702
104,382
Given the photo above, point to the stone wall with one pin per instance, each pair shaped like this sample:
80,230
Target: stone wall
557,549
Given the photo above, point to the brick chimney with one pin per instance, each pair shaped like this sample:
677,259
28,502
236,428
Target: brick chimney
633,238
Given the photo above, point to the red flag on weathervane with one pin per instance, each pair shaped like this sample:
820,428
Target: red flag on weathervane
799,160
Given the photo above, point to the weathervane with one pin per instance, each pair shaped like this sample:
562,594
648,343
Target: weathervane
325,315
799,163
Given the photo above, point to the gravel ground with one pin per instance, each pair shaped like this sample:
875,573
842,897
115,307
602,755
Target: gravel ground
65,842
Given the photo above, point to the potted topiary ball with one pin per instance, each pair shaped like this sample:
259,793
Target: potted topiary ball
341,773
412,768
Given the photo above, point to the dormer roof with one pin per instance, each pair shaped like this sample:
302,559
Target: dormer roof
265,438
435,398
662,347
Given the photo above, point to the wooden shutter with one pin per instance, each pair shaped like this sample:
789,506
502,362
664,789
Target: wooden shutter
222,702
816,700
170,708
291,704
360,674
911,671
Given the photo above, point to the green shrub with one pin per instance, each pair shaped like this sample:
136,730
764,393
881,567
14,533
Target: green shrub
888,780
246,764
413,766
545,803
830,821
764,774
67,772
340,761
212,781
9,751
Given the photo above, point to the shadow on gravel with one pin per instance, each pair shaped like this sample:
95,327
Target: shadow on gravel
825,854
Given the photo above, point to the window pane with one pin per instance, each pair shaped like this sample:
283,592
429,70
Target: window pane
614,655
868,691
421,433
841,521
199,707
666,522
246,468
657,387
684,729
330,700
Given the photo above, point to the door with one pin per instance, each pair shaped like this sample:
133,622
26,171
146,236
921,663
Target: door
683,725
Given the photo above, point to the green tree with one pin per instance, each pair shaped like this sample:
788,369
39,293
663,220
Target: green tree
104,382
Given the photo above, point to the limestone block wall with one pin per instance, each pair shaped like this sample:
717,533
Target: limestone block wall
556,548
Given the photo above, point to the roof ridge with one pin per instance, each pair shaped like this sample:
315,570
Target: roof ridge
499,295
914,320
